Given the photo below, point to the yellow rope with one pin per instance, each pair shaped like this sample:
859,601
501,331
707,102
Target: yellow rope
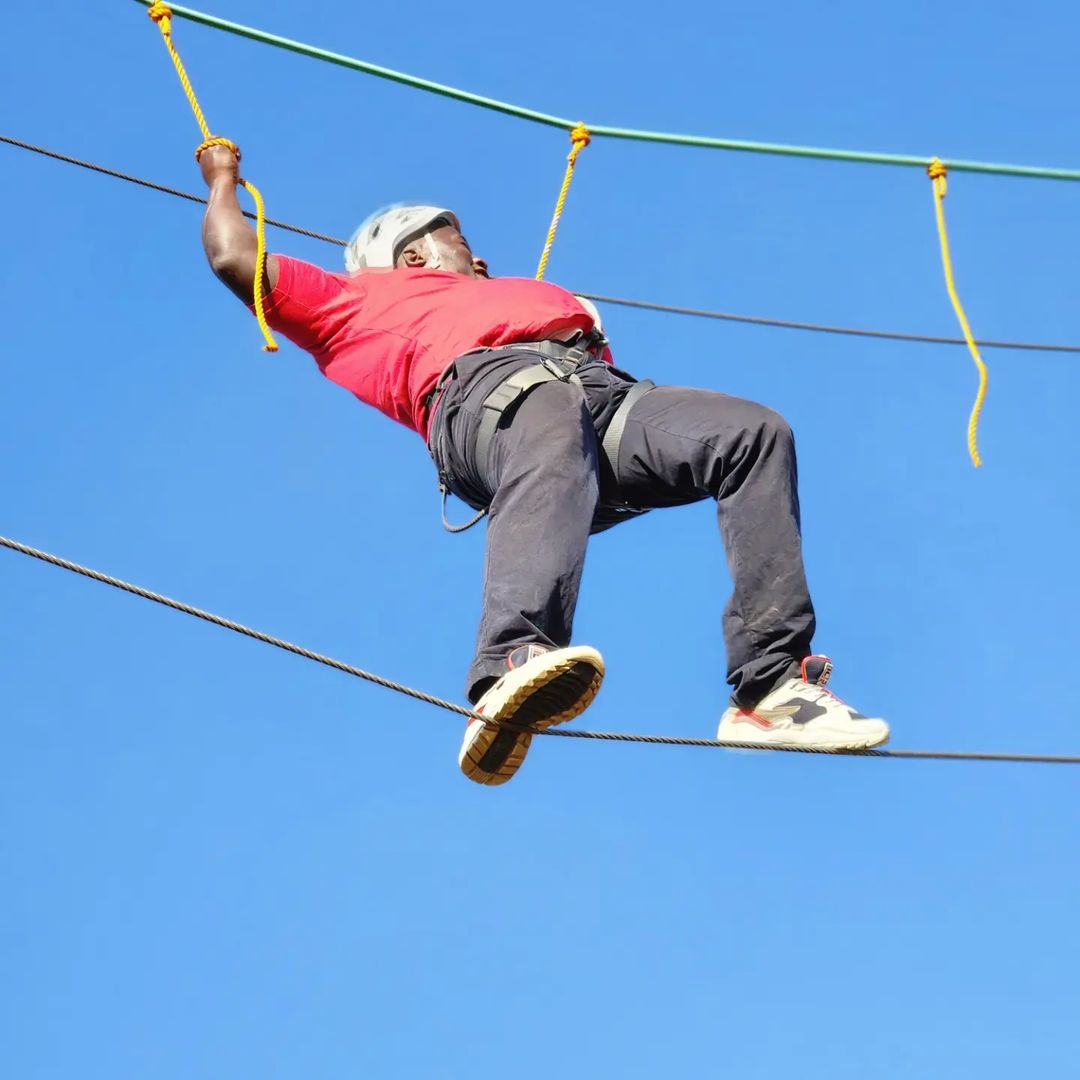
162,15
579,139
938,173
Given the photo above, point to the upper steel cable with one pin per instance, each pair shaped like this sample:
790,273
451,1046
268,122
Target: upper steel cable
607,736
646,305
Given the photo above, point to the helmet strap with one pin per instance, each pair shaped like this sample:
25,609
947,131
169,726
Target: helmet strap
434,259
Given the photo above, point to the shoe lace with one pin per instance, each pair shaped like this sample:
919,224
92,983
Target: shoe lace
821,693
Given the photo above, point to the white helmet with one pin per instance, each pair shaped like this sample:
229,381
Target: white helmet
378,242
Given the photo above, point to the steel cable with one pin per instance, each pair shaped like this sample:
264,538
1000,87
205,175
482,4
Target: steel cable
157,187
646,305
419,695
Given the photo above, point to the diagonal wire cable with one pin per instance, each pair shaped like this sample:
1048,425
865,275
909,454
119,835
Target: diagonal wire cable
157,187
419,695
621,301
826,328
867,157
229,624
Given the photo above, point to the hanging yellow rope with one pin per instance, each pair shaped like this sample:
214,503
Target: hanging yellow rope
579,139
162,15
938,173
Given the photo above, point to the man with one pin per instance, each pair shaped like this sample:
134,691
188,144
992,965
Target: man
511,383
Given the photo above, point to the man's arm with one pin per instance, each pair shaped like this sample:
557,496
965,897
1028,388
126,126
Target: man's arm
228,239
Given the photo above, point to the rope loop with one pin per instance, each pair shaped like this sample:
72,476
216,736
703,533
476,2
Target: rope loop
216,140
579,139
938,174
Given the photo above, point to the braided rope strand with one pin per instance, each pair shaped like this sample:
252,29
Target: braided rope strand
161,14
938,174
579,139
260,265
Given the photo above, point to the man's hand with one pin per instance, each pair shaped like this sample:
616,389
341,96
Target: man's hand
219,164
228,239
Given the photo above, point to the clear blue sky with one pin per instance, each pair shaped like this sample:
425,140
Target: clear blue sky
222,861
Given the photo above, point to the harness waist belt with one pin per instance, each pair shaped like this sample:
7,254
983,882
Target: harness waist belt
577,351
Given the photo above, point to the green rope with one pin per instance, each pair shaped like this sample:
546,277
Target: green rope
363,65
600,131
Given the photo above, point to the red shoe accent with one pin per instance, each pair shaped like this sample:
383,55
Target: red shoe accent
749,716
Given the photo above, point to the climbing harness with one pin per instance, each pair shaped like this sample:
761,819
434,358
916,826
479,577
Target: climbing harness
938,174
579,139
559,363
161,14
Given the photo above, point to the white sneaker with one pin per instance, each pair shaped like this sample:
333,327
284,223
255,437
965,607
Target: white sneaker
801,712
542,687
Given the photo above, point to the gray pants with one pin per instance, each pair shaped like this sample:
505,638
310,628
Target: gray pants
546,493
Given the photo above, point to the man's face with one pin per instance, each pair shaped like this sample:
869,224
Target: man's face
451,249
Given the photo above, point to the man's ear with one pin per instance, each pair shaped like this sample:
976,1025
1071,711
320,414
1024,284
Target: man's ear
411,256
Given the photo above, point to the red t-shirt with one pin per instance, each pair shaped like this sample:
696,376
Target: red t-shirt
387,335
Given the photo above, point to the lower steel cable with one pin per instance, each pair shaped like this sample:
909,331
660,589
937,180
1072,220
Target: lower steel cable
419,695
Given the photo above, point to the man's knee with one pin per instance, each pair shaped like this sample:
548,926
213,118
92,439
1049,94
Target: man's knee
760,433
760,425
774,429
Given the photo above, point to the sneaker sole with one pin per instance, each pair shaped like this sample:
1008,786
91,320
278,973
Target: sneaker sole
558,694
793,737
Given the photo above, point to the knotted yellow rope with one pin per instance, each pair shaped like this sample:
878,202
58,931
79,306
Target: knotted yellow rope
162,15
579,139
938,173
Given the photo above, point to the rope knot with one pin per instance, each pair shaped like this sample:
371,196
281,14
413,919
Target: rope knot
160,12
936,170
580,136
217,140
